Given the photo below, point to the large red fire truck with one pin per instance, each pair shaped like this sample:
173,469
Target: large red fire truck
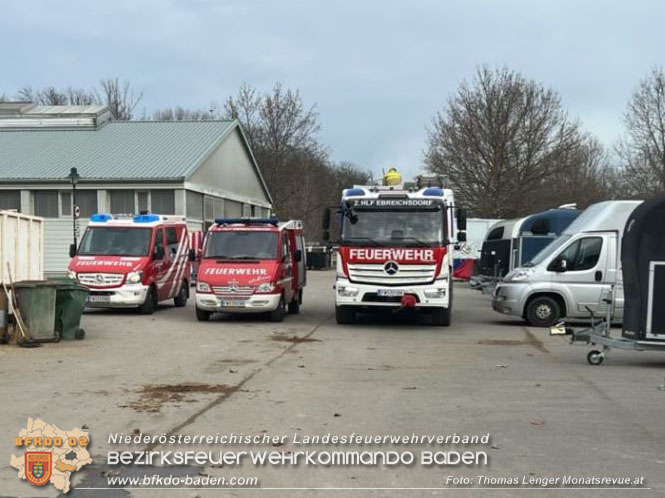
396,248
251,265
133,261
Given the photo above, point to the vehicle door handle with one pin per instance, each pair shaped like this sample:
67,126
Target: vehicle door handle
599,276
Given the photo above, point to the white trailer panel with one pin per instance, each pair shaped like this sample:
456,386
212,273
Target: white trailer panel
21,246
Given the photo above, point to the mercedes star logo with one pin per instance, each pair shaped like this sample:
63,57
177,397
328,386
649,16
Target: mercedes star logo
99,278
391,268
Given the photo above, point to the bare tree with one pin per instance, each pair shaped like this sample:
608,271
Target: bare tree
119,96
279,126
181,114
642,150
507,145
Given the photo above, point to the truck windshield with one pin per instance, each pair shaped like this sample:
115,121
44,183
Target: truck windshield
115,241
548,250
241,244
395,227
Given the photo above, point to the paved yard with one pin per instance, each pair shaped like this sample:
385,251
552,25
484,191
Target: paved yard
548,412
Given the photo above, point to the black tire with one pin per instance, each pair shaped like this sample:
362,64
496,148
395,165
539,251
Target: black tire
278,314
150,304
294,305
595,357
543,311
441,317
202,315
345,315
181,299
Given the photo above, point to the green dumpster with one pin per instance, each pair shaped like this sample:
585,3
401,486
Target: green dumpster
36,302
69,304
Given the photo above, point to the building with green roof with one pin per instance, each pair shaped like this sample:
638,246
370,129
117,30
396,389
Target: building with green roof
198,169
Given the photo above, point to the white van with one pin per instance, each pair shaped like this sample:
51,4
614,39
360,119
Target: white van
573,272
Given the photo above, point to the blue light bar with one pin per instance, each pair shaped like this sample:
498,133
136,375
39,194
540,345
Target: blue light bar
247,221
434,191
101,217
354,192
146,218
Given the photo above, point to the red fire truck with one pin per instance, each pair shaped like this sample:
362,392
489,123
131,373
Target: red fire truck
133,261
396,248
251,265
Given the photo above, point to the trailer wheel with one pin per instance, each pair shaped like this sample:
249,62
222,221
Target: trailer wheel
345,315
441,317
150,304
543,311
202,315
595,357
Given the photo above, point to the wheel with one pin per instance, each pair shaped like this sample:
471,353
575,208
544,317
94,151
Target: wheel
150,304
595,357
294,305
345,315
278,314
181,299
543,311
202,315
80,334
441,317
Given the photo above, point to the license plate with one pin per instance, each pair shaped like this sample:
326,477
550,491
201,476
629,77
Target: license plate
98,299
390,292
232,303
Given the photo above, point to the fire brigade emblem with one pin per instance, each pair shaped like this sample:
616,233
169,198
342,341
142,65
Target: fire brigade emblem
38,465
391,268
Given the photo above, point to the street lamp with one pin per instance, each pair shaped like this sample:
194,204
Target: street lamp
74,177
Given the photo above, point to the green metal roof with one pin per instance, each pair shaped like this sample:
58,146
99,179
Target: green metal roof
121,150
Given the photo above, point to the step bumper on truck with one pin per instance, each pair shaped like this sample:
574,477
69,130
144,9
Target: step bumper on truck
255,303
125,296
434,295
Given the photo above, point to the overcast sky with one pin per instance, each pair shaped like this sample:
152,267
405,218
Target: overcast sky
377,70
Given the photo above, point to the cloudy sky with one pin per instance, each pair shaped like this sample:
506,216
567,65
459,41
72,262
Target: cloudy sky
377,70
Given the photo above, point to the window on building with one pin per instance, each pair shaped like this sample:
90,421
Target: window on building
142,201
122,201
46,203
232,209
218,208
162,201
87,201
66,203
10,199
194,202
208,208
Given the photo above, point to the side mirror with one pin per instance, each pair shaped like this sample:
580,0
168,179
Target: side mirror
461,236
159,252
72,250
561,265
298,255
192,255
461,218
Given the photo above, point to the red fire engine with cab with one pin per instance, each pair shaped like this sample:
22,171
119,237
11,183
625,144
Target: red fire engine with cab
251,265
133,261
396,248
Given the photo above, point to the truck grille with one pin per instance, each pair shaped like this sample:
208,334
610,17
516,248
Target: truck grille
233,289
366,273
101,279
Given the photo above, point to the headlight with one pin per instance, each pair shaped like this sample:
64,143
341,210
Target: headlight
202,287
346,291
135,277
435,293
72,275
266,287
517,276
